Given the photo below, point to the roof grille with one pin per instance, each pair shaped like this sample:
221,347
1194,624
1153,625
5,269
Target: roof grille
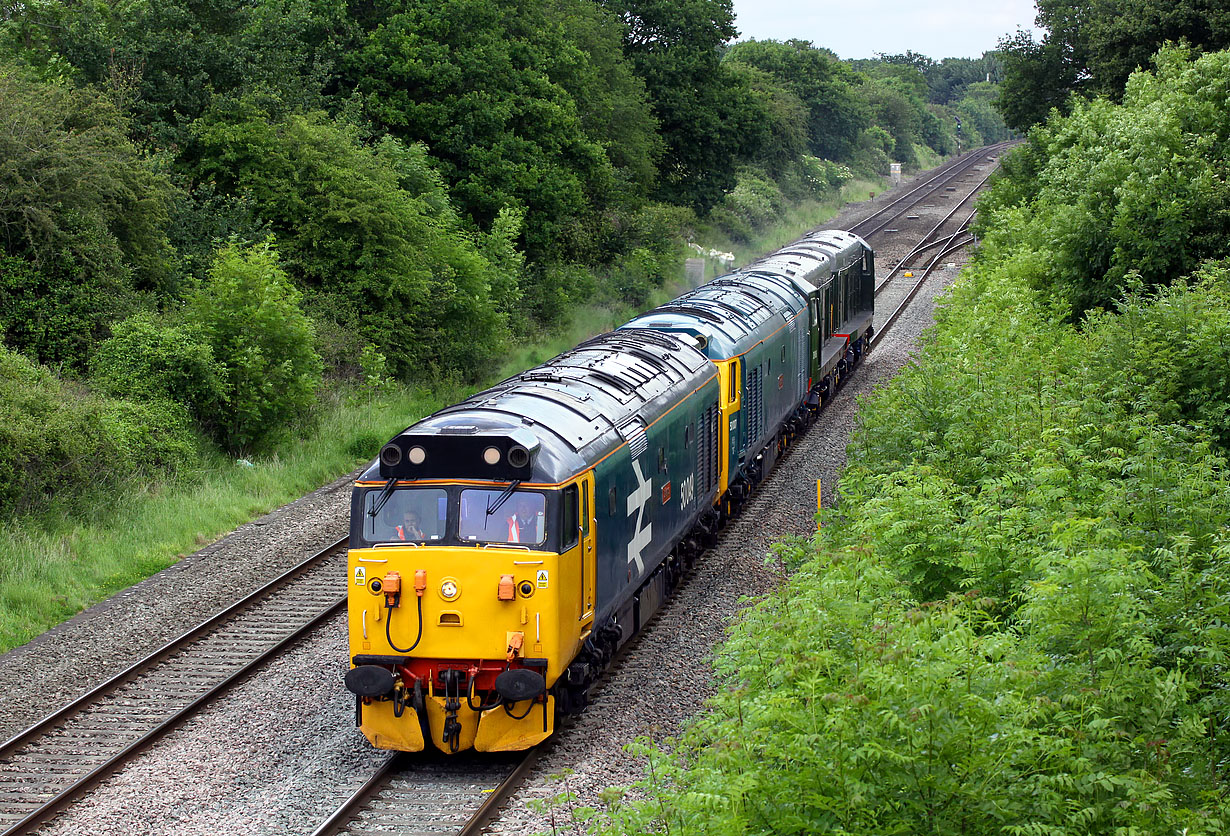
634,433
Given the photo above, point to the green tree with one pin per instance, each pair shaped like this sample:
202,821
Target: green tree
611,101
1090,47
481,84
82,218
369,232
249,314
1148,197
1038,78
835,114
674,47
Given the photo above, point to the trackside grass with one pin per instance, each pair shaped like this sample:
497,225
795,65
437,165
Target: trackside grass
54,565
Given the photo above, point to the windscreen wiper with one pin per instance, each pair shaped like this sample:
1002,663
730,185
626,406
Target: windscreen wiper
502,498
384,497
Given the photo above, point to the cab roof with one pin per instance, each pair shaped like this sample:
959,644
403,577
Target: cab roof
569,413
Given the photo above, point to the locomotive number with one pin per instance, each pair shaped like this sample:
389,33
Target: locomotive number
687,491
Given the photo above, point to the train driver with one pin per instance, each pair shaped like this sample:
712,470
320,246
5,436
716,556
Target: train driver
526,523
409,528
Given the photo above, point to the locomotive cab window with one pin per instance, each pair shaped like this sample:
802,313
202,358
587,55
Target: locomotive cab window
519,518
408,515
568,517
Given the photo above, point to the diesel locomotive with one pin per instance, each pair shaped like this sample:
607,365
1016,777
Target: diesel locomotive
503,548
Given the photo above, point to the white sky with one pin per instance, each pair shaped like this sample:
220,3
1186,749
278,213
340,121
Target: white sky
860,28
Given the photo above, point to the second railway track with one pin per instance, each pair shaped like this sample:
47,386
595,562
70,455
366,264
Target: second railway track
54,761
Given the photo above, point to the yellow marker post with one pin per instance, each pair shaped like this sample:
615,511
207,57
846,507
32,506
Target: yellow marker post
818,501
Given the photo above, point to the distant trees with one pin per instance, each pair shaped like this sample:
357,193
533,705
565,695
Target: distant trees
1090,47
1148,201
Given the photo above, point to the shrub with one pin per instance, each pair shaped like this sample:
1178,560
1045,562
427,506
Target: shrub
1170,350
147,360
250,315
60,441
370,234
83,215
755,201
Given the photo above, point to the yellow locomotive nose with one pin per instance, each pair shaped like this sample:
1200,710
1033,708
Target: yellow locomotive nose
465,667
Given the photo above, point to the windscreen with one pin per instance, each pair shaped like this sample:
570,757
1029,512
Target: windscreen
520,518
409,515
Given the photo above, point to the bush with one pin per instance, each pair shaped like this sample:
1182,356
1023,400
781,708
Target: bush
1148,198
84,216
60,441
369,232
146,360
1015,620
1168,350
250,315
754,202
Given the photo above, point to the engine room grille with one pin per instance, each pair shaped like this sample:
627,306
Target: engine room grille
801,361
634,433
755,407
707,452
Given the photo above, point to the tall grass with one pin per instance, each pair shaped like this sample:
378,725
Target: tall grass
67,558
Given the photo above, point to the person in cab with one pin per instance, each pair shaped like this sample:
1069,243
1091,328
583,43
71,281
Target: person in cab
409,527
526,523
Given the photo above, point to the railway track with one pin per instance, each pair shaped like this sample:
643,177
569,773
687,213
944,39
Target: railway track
61,757
938,185
947,235
430,793
44,768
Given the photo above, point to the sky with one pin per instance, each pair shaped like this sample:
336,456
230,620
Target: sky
861,28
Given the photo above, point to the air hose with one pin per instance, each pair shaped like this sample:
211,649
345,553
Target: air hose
388,625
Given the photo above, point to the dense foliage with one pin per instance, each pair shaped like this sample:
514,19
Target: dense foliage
1114,192
1015,621
1090,47
411,183
57,438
